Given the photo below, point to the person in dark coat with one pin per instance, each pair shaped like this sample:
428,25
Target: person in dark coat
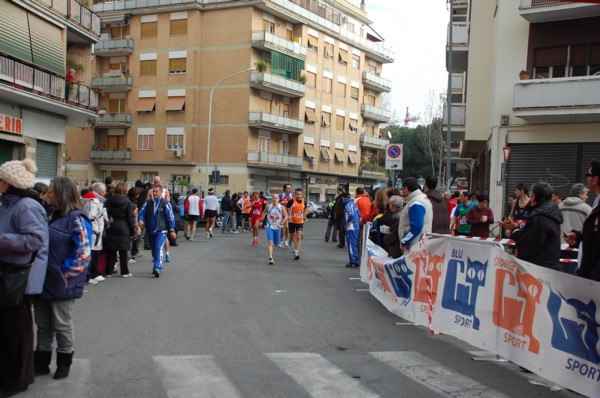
121,230
539,241
338,218
441,221
392,240
481,217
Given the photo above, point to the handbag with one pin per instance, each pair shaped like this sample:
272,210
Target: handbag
13,281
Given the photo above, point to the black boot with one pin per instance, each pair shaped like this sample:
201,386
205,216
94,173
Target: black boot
41,362
63,365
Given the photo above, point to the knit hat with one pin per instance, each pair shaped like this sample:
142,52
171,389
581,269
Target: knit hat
19,173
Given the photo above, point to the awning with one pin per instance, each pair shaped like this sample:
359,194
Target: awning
325,154
175,104
314,190
309,150
339,156
146,104
311,116
352,157
313,41
353,128
343,55
326,119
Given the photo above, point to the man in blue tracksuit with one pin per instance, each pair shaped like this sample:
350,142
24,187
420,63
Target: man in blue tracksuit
157,213
352,226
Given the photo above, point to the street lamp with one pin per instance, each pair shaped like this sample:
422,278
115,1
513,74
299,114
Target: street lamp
212,91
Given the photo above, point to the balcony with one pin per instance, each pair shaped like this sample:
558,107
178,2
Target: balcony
277,84
115,120
110,154
460,46
273,159
373,142
458,83
375,113
567,99
114,47
266,41
376,82
458,114
536,11
27,86
272,122
113,84
82,22
372,171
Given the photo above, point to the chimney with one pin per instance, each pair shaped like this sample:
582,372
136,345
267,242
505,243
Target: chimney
362,5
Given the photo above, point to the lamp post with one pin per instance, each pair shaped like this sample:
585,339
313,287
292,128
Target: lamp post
212,91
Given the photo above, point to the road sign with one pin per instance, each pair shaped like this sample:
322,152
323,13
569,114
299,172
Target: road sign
393,156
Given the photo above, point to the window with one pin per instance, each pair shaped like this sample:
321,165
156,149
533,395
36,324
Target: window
285,147
340,122
313,43
355,61
264,144
341,89
149,30
369,129
325,154
310,116
175,138
181,178
328,50
369,98
372,68
354,93
116,142
285,110
179,27
268,26
116,105
145,139
325,119
327,83
177,65
311,79
148,68
343,57
289,35
148,175
353,127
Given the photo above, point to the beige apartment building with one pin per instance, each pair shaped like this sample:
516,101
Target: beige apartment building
309,114
549,117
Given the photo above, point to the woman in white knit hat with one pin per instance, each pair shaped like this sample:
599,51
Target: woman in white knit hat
23,232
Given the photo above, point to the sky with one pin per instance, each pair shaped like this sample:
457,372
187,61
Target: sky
416,31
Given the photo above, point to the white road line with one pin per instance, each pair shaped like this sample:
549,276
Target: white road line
319,377
435,376
196,376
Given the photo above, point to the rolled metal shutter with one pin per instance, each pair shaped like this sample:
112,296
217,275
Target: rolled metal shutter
6,150
14,31
46,159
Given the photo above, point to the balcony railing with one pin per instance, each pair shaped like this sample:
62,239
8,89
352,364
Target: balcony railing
367,140
269,41
114,47
277,84
114,120
375,113
458,83
549,94
537,11
460,34
75,12
273,159
110,154
376,82
458,115
269,121
45,85
113,84
372,171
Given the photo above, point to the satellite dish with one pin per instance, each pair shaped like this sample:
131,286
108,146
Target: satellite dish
389,134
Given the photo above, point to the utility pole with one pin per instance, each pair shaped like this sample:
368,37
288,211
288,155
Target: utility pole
449,99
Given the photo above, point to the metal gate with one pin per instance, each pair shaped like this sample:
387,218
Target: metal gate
6,151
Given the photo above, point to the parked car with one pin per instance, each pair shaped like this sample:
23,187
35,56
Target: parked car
202,221
314,210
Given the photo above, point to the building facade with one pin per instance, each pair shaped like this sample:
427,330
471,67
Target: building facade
530,102
308,115
40,41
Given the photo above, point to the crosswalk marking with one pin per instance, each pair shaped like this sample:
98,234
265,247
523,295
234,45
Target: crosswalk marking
434,375
193,376
319,377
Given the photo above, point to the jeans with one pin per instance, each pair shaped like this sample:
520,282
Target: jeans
226,215
54,318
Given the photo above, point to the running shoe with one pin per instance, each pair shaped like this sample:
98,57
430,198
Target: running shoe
296,255
168,257
271,262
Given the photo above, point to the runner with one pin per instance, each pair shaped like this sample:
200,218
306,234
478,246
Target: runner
192,209
211,211
275,218
284,198
298,211
244,204
257,204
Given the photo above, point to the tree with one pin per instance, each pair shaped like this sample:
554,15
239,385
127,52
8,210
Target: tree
431,137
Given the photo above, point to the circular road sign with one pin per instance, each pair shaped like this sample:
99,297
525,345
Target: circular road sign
394,151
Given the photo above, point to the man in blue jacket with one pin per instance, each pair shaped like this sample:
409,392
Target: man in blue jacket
352,227
157,213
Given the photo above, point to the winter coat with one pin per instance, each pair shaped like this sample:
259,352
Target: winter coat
478,228
68,257
162,221
392,240
24,230
574,211
98,217
226,204
415,219
539,241
441,220
338,208
589,266
122,227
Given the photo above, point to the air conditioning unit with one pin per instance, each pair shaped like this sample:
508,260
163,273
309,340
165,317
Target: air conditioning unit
178,152
313,162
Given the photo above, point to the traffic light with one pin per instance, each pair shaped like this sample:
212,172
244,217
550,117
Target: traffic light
215,177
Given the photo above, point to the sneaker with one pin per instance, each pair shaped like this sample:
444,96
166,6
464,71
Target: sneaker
210,232
92,282
129,275
131,260
287,244
271,262
254,242
296,255
208,235
115,270
99,278
156,273
280,244
168,257
187,238
334,240
191,238
236,232
139,255
108,276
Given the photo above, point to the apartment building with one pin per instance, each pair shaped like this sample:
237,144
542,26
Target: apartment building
308,115
39,41
541,125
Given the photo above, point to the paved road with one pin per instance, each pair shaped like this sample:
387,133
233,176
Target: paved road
220,322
